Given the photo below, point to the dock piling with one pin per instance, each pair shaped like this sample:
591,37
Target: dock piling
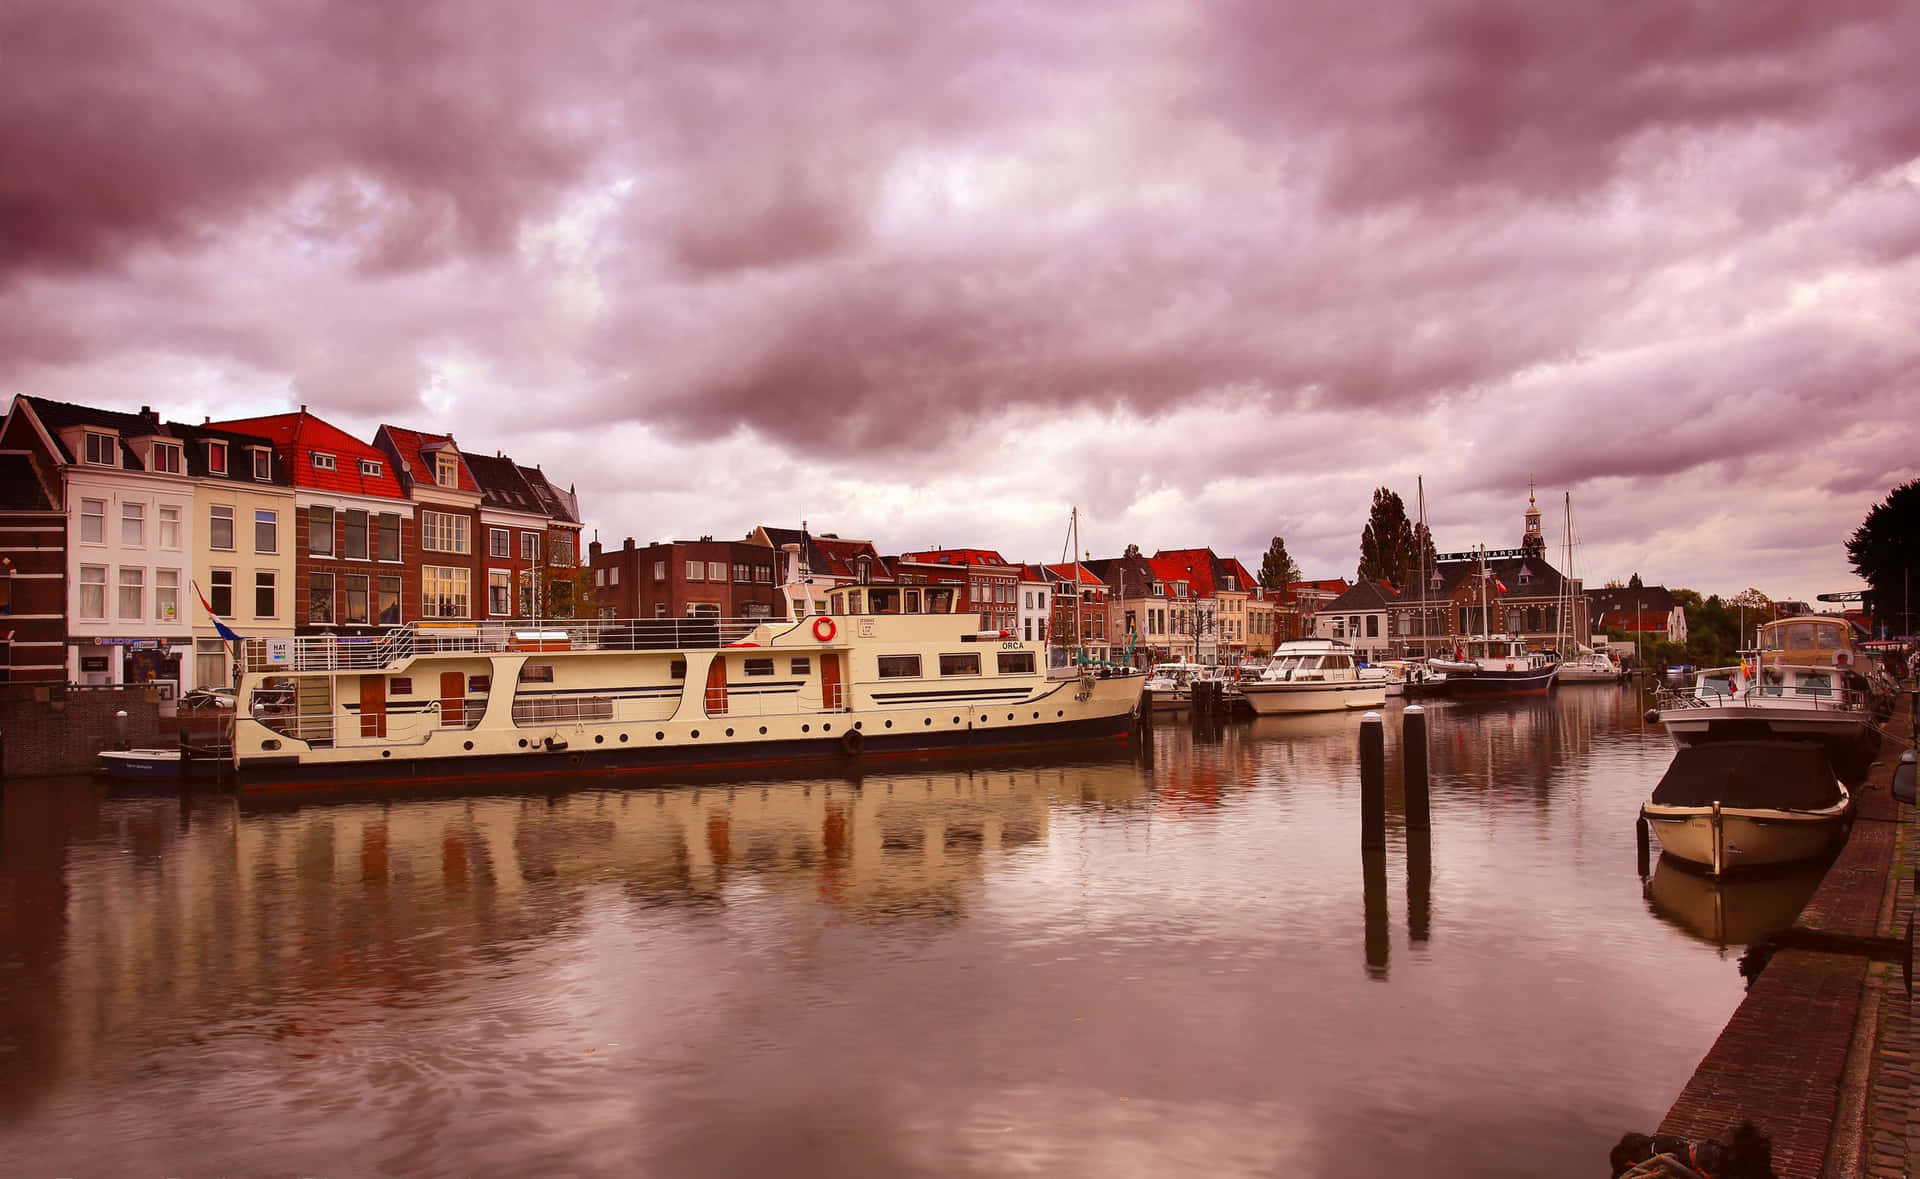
1643,854
120,740
1413,746
1373,781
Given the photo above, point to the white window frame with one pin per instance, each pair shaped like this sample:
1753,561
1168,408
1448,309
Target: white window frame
93,577
500,543
93,518
166,595
445,532
500,580
216,458
220,512
370,468
168,521
453,582
324,462
269,519
267,580
446,470
101,450
167,458
132,577
262,464
133,525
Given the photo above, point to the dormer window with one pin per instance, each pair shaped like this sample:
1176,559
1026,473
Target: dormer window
370,468
324,462
446,470
863,570
262,464
103,450
166,457
216,458
1159,589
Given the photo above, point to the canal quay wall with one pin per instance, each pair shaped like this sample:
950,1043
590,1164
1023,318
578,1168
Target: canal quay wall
58,729
1819,1055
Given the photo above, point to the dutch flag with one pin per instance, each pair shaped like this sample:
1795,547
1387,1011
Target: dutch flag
221,628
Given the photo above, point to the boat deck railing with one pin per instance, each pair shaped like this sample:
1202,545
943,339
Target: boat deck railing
396,646
1770,696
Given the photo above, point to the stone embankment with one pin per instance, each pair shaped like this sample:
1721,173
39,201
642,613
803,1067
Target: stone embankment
1819,1055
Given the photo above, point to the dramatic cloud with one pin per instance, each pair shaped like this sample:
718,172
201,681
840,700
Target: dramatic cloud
936,272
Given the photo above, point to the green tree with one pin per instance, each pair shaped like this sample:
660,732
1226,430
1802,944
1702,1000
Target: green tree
1885,552
1634,582
1133,550
1277,570
1387,548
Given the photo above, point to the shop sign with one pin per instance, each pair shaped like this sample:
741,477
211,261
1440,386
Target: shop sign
136,644
279,652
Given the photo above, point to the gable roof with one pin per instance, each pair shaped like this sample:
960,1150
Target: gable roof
20,487
1364,596
1619,599
562,507
1125,573
239,467
63,415
299,436
1528,577
415,453
501,486
1075,572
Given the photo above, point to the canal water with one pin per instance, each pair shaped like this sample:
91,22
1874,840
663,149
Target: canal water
1178,964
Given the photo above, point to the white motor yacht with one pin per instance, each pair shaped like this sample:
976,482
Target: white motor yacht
1315,675
1728,805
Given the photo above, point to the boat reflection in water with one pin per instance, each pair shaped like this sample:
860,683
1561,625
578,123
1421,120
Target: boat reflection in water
1731,912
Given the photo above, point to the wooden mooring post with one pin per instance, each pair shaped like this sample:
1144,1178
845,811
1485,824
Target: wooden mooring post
1373,781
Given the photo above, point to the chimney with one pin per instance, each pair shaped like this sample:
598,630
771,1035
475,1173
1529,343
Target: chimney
628,545
593,549
303,407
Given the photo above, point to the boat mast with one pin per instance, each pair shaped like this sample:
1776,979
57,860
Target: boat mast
1420,485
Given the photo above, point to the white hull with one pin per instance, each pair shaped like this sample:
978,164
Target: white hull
1272,699
1575,673
1740,838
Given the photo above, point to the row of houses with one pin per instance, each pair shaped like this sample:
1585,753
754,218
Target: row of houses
123,537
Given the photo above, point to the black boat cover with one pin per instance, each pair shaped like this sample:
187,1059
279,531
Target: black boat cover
1777,775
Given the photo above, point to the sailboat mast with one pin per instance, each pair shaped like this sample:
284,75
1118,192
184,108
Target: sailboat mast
1420,485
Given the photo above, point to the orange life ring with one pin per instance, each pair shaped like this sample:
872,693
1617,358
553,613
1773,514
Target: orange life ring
823,629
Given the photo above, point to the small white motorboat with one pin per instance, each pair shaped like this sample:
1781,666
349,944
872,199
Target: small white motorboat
1729,805
140,764
1315,675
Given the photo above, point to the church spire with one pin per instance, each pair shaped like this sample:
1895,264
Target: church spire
1531,542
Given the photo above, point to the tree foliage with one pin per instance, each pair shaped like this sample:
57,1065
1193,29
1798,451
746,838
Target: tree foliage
1885,552
1132,550
1277,570
1634,582
1388,551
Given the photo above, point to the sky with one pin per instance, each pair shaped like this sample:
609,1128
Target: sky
938,273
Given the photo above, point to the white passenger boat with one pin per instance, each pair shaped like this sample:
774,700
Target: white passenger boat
1729,805
1803,682
452,703
1315,675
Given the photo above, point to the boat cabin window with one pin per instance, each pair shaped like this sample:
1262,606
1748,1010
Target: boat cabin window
400,685
1016,663
1800,634
939,601
801,666
479,685
1829,637
757,666
968,664
1717,684
910,601
677,669
1814,683
883,601
536,673
897,667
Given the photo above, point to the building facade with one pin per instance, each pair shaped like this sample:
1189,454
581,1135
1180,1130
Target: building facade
243,533
684,579
33,556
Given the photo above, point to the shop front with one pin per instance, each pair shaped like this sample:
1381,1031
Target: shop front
130,660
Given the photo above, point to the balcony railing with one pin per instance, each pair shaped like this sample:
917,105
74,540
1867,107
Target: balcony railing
392,647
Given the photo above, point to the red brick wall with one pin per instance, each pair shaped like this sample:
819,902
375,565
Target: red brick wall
408,570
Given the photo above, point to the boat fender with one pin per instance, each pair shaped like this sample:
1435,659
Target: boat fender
1289,675
852,741
1652,717
555,744
824,629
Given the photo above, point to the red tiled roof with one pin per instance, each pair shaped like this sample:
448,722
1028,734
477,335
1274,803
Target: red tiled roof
301,435
955,557
840,556
417,449
1077,573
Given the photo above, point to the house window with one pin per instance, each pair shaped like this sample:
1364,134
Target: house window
530,546
320,532
266,532
266,595
899,667
696,570
103,450
763,574
444,532
93,591
1373,626
353,609
133,592
499,542
659,570
133,524
499,591
599,577
388,538
742,572
446,470
389,602
320,597
370,468
716,570
613,575
444,591
220,592
169,526
262,464
166,458
354,535
93,521
166,595
220,529
324,462
560,550
216,458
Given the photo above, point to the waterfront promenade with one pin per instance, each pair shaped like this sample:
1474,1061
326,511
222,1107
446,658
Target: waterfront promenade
1820,1053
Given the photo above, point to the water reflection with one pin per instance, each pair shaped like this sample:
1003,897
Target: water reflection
1112,968
1732,912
